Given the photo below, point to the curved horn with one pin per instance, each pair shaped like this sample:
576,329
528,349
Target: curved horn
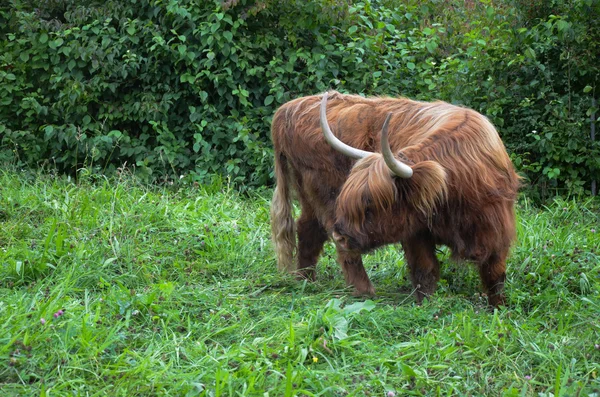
397,167
332,139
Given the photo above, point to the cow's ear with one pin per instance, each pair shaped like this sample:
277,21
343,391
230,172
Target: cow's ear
340,240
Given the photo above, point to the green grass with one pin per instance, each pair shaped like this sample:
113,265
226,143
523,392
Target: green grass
174,291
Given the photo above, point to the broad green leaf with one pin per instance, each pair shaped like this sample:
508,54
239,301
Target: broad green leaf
530,53
357,307
408,371
431,46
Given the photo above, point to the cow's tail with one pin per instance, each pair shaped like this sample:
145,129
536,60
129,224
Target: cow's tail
282,222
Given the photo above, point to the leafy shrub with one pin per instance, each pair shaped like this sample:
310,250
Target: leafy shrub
177,86
534,74
105,87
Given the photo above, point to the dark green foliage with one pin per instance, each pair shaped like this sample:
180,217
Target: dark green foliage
150,84
536,76
174,87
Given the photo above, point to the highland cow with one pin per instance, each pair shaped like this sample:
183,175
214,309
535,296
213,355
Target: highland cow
391,170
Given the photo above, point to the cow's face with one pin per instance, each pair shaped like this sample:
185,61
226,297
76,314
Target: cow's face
365,239
365,206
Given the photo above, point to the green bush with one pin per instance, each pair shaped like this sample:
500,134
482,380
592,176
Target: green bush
149,84
176,87
535,77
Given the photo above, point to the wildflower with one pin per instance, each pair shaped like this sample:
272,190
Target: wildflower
597,346
391,394
527,377
593,230
43,321
315,359
56,315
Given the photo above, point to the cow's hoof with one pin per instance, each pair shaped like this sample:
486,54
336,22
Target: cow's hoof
496,300
368,292
306,274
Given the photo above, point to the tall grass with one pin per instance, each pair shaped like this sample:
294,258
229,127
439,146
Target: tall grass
110,287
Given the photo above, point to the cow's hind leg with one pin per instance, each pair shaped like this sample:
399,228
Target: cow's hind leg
311,238
424,268
355,272
492,271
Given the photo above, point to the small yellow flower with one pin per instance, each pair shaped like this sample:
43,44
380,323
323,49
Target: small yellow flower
315,359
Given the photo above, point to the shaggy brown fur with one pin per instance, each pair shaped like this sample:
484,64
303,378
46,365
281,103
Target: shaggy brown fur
461,194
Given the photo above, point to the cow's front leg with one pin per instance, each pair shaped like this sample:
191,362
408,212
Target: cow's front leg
355,272
423,265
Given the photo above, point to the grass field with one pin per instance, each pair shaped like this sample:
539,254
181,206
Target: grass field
115,288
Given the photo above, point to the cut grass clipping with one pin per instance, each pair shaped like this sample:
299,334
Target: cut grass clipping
115,288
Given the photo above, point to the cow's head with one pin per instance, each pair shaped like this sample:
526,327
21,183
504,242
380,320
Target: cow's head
366,201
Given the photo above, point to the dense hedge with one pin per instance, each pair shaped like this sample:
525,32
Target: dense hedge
185,87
